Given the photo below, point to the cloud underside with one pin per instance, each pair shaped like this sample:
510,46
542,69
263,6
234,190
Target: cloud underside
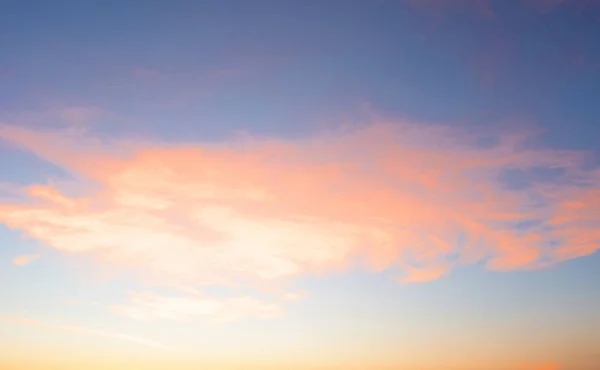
414,200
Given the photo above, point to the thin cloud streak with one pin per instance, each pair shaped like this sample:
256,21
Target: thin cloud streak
414,200
84,330
148,306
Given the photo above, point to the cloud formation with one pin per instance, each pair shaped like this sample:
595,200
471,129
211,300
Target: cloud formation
417,200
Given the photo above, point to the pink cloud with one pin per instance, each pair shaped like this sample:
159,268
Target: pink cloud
25,259
415,199
423,275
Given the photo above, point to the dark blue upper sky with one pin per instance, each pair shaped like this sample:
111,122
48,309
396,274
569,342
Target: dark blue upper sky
456,62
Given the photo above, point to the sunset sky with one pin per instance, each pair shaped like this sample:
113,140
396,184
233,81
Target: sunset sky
324,185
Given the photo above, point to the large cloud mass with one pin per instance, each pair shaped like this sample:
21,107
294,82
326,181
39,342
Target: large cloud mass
416,199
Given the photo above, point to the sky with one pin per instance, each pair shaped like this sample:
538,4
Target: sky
408,184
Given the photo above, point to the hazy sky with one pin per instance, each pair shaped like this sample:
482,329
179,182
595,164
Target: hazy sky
409,184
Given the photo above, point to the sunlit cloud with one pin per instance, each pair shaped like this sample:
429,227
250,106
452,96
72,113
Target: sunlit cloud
85,331
416,201
25,259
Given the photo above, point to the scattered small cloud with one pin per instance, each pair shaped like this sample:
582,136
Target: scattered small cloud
25,259
423,275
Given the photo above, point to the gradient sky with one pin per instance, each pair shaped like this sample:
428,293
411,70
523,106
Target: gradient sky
300,185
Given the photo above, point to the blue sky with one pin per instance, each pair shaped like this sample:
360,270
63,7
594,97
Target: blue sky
91,94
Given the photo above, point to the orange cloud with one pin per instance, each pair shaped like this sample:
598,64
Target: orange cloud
415,199
25,259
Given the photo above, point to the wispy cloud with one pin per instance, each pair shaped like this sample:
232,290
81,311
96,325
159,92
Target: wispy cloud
25,259
147,306
83,330
418,200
